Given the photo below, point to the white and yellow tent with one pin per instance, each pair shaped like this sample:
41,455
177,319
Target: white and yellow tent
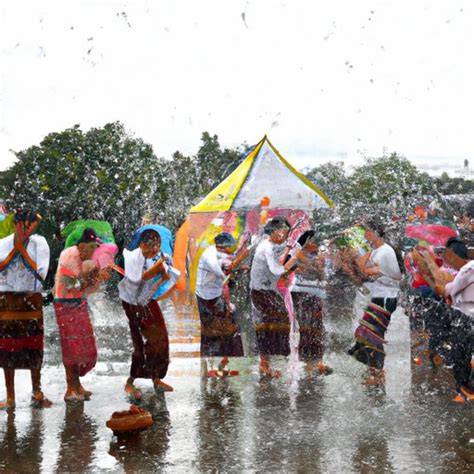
263,172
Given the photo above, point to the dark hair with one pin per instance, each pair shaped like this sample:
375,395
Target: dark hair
308,236
375,225
150,235
458,247
88,236
276,223
224,239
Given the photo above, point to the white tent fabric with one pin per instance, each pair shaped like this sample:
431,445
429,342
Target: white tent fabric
270,177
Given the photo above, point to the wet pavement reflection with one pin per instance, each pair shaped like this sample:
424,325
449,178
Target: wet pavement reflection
300,423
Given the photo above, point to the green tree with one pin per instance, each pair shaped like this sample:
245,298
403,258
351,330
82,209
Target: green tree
104,173
189,178
332,178
387,179
458,185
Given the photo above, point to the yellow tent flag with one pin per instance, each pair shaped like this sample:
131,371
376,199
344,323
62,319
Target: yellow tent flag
222,196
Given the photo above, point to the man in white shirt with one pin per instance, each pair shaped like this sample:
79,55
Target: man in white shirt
220,336
380,266
24,263
457,319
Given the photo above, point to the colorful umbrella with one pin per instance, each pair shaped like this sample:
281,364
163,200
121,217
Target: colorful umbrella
433,234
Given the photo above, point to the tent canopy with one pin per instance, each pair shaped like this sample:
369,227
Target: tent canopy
264,172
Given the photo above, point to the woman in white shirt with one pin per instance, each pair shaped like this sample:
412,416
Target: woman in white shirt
150,357
220,336
269,313
380,266
308,293
24,262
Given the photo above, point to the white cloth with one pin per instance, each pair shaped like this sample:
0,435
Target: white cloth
16,277
210,276
133,289
387,285
461,289
266,269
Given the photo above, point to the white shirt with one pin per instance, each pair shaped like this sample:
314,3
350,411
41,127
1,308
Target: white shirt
16,277
461,289
132,289
387,285
266,269
210,276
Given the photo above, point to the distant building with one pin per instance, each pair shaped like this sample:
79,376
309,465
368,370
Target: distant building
465,171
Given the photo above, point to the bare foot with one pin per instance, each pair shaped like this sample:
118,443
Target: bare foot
39,400
132,391
162,386
87,394
467,393
267,372
73,396
9,403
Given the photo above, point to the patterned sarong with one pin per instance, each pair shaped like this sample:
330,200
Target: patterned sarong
21,330
219,333
272,326
78,345
308,310
369,335
150,357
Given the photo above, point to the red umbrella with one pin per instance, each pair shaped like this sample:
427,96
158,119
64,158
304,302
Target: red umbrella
434,234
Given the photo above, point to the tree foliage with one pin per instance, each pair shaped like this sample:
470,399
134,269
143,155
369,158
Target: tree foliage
103,173
107,173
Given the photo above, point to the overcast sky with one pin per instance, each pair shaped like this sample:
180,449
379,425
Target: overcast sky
325,80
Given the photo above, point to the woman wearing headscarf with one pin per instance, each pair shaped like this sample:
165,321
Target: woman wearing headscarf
77,277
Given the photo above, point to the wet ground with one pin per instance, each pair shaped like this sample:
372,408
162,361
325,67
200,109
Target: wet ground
245,423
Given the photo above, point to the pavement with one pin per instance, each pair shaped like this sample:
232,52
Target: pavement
241,424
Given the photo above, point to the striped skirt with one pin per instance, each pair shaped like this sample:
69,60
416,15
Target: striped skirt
21,330
369,335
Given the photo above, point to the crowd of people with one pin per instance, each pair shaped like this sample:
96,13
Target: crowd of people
290,293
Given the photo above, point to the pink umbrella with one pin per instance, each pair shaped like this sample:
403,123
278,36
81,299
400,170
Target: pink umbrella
434,234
